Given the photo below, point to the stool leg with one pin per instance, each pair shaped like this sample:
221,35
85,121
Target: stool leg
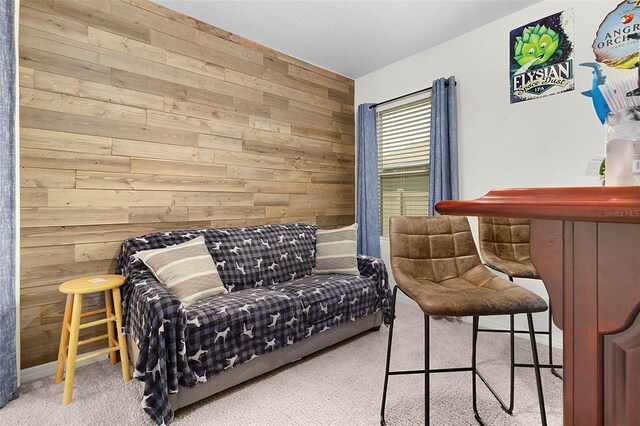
512,344
386,371
73,348
108,303
536,368
474,371
124,356
427,373
64,339
553,370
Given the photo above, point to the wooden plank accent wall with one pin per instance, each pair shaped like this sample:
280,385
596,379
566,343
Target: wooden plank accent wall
135,118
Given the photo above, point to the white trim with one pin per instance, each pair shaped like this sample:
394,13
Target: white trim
49,369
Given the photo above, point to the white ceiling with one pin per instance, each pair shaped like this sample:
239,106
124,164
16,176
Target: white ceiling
352,38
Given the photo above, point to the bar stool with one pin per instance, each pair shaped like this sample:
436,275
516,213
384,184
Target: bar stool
71,326
504,247
435,263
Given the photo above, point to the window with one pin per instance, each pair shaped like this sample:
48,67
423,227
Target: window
403,160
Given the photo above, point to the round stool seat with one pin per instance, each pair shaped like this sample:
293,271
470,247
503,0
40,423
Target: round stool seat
92,284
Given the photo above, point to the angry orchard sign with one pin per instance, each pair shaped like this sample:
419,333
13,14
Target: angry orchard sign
613,45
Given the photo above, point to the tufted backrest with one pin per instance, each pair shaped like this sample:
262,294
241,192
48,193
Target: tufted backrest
434,248
505,238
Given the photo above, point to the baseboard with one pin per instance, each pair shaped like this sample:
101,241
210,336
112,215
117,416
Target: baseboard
49,369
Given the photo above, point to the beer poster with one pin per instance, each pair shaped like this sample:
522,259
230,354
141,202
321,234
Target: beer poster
616,44
541,57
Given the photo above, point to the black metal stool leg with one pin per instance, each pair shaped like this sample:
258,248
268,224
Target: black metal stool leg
474,371
427,382
536,368
386,371
512,344
551,365
553,370
550,338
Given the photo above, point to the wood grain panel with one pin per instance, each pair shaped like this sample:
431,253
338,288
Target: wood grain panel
136,148
51,24
137,119
26,76
73,86
64,216
52,235
219,213
81,12
106,198
42,281
140,182
177,168
47,178
42,256
219,142
71,160
147,84
144,214
202,198
45,60
96,251
61,141
41,99
33,197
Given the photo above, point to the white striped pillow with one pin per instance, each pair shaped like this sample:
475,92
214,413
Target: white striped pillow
187,269
336,251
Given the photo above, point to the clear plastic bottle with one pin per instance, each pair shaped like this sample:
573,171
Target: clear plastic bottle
623,148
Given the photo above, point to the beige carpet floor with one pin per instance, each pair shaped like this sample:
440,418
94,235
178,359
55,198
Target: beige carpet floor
341,385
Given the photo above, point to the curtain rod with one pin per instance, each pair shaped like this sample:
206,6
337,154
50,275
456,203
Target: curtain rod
426,89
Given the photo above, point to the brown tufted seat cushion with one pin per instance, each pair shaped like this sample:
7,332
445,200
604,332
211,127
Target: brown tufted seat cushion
435,262
504,246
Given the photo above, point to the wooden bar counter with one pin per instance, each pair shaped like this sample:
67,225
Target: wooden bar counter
585,242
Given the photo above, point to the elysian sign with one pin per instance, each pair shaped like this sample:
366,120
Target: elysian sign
537,82
541,58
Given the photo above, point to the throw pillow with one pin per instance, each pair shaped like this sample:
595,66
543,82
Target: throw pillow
187,269
336,251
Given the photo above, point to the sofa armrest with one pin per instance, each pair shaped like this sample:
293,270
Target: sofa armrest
143,296
375,269
156,320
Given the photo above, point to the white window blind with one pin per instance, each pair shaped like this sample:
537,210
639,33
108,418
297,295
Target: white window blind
403,160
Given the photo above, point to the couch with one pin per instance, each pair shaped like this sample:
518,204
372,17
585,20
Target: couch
275,311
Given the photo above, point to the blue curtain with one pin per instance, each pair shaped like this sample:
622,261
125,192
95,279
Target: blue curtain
443,170
8,367
367,183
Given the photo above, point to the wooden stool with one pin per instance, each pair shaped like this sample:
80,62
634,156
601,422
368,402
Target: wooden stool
71,326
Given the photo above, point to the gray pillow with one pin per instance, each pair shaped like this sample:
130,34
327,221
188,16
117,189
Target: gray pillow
187,269
336,251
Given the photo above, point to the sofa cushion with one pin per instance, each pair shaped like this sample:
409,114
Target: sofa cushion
187,269
330,300
336,251
257,256
236,327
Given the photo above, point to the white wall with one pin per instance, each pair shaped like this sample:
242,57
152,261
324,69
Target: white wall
539,143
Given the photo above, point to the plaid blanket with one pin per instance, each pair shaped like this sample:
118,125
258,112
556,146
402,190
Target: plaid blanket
268,307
